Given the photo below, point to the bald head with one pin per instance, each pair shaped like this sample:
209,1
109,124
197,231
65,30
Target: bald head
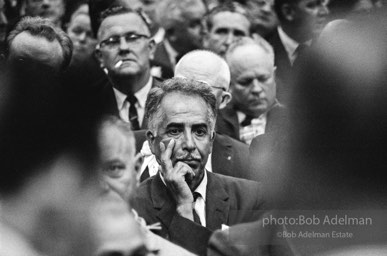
208,67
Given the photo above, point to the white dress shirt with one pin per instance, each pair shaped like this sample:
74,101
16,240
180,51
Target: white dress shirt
290,44
257,127
123,105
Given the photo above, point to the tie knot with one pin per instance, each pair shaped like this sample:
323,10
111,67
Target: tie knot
131,99
196,195
247,121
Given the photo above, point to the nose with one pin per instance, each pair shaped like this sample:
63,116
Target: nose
82,37
257,87
229,39
188,143
124,46
323,11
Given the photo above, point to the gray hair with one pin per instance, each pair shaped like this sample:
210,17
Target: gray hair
184,86
169,13
44,28
260,42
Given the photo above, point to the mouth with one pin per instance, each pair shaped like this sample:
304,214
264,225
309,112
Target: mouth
122,62
191,162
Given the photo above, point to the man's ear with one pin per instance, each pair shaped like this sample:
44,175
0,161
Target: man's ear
226,98
151,140
287,12
98,56
152,48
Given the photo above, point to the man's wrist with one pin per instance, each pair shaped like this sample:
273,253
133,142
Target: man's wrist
185,210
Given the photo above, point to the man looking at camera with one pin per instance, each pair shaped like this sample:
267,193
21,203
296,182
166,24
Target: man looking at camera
188,201
124,52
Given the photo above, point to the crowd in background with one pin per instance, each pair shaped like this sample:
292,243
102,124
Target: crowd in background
193,127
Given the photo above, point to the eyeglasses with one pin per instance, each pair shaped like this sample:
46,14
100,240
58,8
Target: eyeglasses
114,42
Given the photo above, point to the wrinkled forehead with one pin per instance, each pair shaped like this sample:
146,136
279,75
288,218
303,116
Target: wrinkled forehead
122,23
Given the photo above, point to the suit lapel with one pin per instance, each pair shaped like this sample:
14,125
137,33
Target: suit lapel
222,152
217,205
162,203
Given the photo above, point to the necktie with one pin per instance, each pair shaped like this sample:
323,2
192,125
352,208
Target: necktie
133,117
247,121
195,215
300,52
145,174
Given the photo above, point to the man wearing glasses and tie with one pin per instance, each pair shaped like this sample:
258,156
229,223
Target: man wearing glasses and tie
124,51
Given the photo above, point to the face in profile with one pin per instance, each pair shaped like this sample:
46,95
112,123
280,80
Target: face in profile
79,31
50,9
189,32
310,16
118,161
252,79
186,120
125,47
264,19
227,27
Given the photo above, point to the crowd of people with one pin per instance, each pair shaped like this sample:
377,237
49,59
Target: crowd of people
193,127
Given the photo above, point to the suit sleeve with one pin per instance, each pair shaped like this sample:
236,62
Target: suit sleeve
249,239
189,234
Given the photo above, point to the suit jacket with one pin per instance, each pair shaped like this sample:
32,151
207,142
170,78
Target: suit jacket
161,59
229,201
106,100
250,239
227,122
284,67
229,156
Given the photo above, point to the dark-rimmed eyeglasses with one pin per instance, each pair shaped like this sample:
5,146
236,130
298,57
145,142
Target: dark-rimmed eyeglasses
114,42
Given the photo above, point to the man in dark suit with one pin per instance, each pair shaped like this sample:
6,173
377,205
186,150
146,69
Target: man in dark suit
300,22
187,200
253,109
229,155
124,52
181,20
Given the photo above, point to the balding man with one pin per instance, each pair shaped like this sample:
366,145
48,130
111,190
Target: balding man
229,155
253,109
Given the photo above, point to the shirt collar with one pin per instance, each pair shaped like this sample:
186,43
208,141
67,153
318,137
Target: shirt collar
172,53
201,189
242,116
289,43
141,95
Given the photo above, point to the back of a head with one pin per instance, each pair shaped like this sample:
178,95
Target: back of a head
41,121
40,28
339,117
204,66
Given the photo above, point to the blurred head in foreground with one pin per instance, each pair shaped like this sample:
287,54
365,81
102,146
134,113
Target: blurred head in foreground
339,120
47,179
119,165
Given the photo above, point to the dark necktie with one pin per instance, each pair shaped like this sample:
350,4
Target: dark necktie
196,195
247,121
145,174
133,117
300,51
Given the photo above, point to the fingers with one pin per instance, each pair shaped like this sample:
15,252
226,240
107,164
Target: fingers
166,153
